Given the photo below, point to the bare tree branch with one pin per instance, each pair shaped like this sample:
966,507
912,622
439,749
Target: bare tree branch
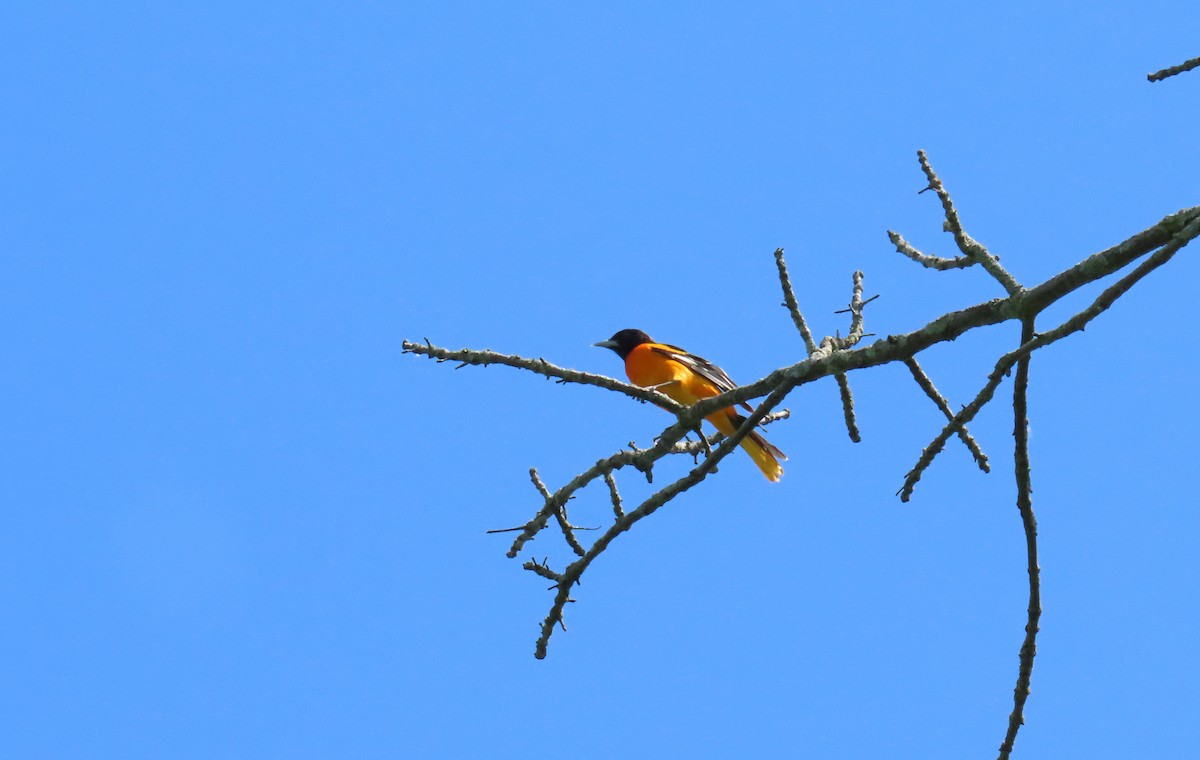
1171,234
1173,70
1025,505
833,356
1173,231
467,356
838,356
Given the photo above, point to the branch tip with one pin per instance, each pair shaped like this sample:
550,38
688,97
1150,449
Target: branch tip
1171,71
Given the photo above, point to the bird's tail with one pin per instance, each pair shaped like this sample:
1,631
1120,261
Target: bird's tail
762,451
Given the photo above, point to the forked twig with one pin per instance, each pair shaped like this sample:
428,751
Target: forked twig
793,307
970,247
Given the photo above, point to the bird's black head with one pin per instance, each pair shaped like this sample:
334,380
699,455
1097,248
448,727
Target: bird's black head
625,341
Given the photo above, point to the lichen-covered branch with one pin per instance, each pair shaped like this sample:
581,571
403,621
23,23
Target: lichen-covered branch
926,260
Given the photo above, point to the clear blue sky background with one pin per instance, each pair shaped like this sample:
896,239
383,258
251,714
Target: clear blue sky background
237,522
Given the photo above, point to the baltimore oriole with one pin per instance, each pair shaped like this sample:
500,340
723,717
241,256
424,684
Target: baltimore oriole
687,378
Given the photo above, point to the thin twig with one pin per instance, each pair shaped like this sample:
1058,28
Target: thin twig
1173,70
926,260
560,512
856,331
848,407
789,300
715,438
856,316
942,404
542,569
467,356
616,496
782,414
1025,504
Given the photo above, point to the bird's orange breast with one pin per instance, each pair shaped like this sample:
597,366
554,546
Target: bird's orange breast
646,367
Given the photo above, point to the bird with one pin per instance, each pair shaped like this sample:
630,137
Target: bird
688,378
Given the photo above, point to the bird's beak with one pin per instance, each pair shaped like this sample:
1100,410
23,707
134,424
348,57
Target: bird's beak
607,344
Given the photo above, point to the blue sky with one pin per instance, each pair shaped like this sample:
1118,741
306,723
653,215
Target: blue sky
239,523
